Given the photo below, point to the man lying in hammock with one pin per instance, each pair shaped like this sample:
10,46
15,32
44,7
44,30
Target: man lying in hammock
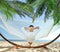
30,33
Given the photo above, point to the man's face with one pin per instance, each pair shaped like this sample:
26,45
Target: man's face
31,29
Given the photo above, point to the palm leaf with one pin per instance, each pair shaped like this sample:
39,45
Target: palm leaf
32,8
30,1
49,5
56,14
18,7
6,9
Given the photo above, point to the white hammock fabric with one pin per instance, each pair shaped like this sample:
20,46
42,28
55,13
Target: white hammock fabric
16,27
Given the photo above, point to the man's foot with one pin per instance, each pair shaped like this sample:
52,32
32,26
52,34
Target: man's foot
30,43
14,48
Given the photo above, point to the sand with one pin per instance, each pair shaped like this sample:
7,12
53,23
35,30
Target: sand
6,47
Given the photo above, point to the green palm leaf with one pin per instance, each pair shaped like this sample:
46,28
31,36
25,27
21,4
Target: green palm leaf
12,7
30,1
50,6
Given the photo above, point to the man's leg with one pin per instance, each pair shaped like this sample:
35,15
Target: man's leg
30,43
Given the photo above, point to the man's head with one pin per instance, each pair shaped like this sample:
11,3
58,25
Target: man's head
31,28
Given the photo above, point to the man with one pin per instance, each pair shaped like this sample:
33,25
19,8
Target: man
30,33
31,29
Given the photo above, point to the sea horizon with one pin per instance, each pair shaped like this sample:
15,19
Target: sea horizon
33,41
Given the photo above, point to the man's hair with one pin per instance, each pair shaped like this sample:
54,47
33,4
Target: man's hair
31,26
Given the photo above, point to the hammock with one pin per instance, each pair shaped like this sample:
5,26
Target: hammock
14,27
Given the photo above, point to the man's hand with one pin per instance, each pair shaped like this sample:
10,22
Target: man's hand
37,27
25,28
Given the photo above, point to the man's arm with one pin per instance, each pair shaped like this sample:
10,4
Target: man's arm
25,28
36,27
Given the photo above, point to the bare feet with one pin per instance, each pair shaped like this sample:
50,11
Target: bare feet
14,48
30,43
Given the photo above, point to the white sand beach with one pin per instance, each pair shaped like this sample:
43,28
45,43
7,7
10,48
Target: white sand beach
6,47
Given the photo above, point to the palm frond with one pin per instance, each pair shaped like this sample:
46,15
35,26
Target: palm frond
56,14
6,9
40,7
32,8
23,8
30,1
11,7
49,5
